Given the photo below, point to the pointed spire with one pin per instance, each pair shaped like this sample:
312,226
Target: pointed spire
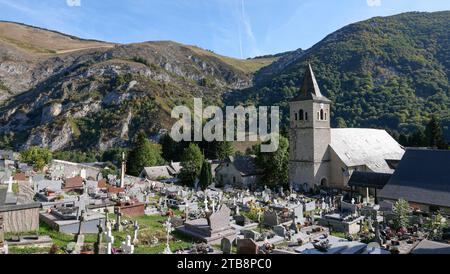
309,89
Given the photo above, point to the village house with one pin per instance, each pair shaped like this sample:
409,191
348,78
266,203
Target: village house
165,172
239,171
326,157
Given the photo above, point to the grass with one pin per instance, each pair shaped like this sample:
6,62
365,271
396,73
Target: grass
247,66
338,234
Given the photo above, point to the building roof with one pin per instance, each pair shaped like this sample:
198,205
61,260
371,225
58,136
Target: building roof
423,176
246,165
431,247
366,147
75,182
157,172
20,177
369,179
309,89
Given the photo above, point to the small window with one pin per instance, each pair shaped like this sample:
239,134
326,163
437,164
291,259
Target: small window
306,116
325,115
301,115
296,116
322,115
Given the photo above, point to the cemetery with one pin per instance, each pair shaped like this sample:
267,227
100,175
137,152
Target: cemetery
77,211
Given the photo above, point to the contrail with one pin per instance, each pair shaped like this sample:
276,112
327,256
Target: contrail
240,35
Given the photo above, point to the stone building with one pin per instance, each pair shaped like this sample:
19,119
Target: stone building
322,156
240,171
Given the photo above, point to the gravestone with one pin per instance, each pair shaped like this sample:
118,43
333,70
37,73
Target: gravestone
241,220
127,247
270,218
298,213
246,246
225,246
311,206
348,208
250,234
280,230
109,239
220,219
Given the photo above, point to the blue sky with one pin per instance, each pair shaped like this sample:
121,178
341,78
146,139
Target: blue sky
238,28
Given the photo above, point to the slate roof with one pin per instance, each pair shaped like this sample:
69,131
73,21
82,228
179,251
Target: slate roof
365,147
431,247
423,176
246,165
309,89
369,179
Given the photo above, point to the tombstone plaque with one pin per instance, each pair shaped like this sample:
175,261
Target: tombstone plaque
225,246
246,246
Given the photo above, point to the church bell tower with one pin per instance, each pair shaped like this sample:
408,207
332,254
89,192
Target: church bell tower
310,136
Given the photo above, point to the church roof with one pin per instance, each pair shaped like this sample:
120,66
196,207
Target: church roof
365,147
309,89
369,179
422,177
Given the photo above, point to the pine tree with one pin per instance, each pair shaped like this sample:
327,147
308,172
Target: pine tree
205,175
143,154
224,149
434,134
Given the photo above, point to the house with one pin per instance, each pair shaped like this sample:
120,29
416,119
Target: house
322,156
423,179
238,171
74,183
161,172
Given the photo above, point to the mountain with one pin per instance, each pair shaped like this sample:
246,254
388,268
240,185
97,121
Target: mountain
68,93
385,72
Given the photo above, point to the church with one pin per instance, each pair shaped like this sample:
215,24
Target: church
321,156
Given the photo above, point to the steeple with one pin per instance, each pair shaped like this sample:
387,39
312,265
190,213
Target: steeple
309,89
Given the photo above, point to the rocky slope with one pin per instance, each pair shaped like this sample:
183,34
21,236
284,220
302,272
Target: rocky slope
74,93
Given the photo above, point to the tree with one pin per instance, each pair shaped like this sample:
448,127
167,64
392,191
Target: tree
275,164
435,226
401,212
191,162
224,149
171,149
144,153
341,122
435,135
205,175
37,157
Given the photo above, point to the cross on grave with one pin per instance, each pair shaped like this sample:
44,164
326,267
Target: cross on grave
206,204
169,229
109,239
99,237
127,247
136,230
118,225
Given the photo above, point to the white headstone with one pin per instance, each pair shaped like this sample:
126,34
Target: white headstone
109,239
127,247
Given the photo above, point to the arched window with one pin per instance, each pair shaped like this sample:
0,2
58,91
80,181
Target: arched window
325,115
300,113
296,116
306,116
322,115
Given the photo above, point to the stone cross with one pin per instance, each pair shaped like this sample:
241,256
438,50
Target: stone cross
127,247
206,204
10,183
99,237
109,239
237,210
213,205
169,229
136,230
118,225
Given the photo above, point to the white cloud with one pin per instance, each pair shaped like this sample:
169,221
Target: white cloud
373,3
